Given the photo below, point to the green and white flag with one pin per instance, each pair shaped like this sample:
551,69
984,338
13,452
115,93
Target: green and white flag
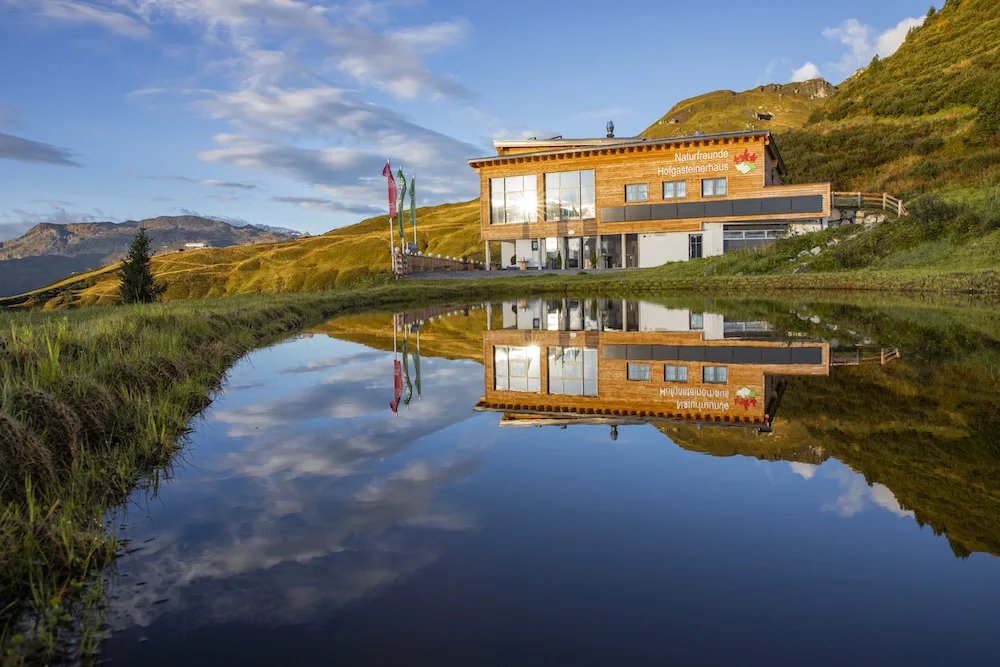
402,198
413,205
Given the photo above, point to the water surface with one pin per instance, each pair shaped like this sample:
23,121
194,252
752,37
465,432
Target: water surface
831,498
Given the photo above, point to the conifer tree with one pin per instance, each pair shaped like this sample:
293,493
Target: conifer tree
137,284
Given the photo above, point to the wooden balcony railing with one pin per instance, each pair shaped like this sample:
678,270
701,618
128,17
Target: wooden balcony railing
866,200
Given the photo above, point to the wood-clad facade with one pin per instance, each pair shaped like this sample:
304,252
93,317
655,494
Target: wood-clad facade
632,366
638,202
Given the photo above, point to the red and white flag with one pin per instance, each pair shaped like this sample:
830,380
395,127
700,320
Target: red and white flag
397,384
387,172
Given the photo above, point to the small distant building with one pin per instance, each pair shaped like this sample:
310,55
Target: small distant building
197,245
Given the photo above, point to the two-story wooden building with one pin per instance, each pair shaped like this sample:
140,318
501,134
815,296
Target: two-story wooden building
623,203
632,362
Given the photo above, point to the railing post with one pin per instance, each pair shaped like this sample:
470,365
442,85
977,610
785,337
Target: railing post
899,208
859,200
885,201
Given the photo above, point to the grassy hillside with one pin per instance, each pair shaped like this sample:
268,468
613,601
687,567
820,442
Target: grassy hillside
926,118
789,106
336,258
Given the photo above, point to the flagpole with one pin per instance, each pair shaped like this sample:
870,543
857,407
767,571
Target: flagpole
413,208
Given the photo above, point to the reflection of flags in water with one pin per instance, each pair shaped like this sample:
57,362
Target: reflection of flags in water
397,384
406,375
416,363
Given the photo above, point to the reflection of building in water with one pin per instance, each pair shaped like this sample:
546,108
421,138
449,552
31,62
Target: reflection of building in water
614,362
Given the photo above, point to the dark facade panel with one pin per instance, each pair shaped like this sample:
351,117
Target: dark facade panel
639,352
691,353
746,355
613,214
718,209
664,352
663,212
719,355
807,355
691,210
776,205
747,207
810,204
637,213
613,351
776,355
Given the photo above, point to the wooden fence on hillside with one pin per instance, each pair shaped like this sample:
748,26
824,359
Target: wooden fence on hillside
859,357
866,200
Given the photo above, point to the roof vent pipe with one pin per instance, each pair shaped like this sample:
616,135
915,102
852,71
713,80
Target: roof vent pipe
611,129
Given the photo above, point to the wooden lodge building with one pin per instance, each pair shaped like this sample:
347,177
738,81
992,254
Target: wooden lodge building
608,361
625,202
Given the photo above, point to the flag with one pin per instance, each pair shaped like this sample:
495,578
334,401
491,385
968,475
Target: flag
413,205
387,172
406,375
402,196
397,384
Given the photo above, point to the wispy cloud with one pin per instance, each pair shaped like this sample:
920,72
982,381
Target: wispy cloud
317,204
26,150
80,13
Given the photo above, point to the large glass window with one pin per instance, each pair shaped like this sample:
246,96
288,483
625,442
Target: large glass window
569,195
635,192
638,372
517,368
675,374
513,199
715,374
573,371
675,190
713,187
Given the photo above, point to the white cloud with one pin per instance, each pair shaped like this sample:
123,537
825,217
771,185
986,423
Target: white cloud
806,72
804,470
70,11
863,43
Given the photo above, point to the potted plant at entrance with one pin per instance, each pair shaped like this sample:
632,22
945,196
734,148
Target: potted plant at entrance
522,263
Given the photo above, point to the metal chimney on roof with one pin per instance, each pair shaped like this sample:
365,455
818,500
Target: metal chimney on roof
611,129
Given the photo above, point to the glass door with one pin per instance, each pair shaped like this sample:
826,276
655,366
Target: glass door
574,253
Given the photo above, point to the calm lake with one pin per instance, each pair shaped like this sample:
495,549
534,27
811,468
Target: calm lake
584,482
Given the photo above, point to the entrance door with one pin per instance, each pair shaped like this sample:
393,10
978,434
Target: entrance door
694,246
574,253
631,251
553,258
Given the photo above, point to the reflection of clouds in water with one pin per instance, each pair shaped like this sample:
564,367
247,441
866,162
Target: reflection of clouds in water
261,563
804,470
259,526
315,365
856,495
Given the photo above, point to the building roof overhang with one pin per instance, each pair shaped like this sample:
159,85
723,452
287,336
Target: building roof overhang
581,147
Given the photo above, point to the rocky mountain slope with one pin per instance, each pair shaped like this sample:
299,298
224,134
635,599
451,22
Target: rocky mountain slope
772,107
48,252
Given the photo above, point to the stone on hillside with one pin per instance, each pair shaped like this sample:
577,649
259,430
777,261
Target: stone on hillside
834,214
815,251
849,213
804,253
832,242
880,218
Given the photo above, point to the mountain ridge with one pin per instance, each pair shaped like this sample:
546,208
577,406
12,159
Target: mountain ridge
82,246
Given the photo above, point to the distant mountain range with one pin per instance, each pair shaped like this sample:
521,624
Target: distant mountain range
48,252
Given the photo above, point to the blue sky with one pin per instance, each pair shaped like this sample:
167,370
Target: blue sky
282,112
